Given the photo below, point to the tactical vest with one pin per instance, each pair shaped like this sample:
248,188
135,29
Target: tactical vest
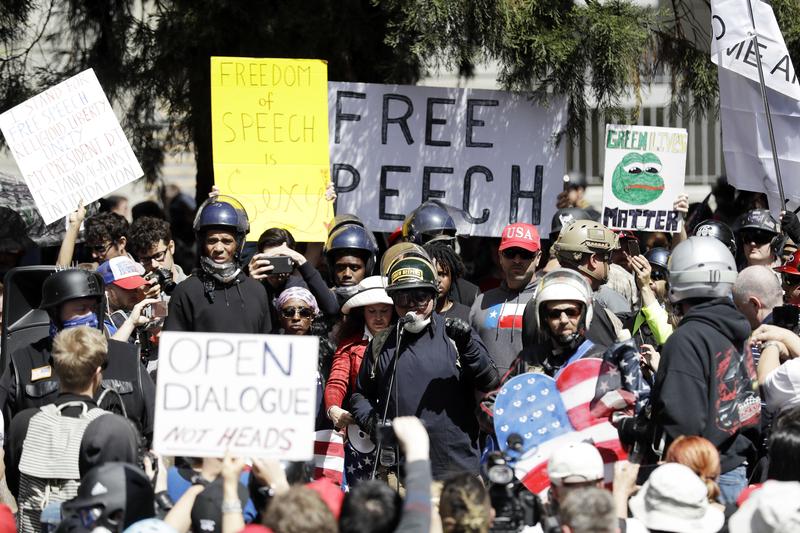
120,391
49,465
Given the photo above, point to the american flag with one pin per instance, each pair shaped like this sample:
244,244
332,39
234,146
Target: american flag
504,316
359,456
549,413
620,385
329,455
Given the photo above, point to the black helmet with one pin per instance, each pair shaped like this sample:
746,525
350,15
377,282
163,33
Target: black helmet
566,216
427,221
70,284
223,212
116,495
352,237
411,273
343,220
759,219
719,230
658,257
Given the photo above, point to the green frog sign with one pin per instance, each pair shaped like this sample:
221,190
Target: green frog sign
644,174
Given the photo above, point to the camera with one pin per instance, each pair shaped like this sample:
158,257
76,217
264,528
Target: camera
386,440
514,505
163,277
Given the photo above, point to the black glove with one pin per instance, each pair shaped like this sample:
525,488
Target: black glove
459,331
790,226
371,428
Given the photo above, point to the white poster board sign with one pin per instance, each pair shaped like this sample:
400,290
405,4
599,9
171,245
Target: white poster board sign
491,153
644,173
255,395
69,146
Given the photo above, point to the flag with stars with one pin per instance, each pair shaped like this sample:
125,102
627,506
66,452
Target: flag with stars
620,386
550,413
505,316
359,454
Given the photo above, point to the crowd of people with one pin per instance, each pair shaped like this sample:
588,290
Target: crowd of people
418,333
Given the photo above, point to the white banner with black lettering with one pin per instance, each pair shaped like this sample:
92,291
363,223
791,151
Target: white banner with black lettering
255,395
491,153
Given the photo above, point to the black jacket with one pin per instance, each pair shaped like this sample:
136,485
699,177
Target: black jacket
29,381
108,438
434,384
704,383
237,307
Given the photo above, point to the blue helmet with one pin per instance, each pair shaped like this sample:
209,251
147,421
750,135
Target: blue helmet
223,212
427,221
658,257
352,237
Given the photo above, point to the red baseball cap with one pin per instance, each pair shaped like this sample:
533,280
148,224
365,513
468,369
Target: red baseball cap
521,235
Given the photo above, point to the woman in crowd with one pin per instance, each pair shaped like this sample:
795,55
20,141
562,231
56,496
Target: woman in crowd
367,312
449,268
701,456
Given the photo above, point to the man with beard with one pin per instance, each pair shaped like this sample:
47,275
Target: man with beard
555,323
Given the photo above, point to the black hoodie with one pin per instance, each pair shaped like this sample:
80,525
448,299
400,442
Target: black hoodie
704,384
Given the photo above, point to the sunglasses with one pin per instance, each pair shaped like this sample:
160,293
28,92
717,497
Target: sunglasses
101,248
511,253
756,236
411,298
658,274
571,312
290,312
790,279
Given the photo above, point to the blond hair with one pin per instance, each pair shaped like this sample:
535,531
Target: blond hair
77,353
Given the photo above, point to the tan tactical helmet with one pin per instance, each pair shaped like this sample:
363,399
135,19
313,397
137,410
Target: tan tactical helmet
583,237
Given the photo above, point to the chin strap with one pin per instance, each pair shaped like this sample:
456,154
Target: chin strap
224,272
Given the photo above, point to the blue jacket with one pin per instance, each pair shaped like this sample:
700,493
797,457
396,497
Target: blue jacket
434,384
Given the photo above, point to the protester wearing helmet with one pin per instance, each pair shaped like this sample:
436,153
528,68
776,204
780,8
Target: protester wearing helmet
554,330
719,230
351,253
497,314
219,297
704,384
49,448
432,222
585,246
563,217
760,235
74,298
790,279
436,370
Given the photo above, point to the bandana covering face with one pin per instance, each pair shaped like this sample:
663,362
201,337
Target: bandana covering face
418,324
297,293
89,319
225,272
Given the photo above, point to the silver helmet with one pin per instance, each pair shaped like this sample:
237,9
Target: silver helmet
701,267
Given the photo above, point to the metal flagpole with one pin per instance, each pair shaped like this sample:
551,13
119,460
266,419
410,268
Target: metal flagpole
766,106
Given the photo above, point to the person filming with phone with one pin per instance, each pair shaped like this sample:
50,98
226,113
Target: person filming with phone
278,266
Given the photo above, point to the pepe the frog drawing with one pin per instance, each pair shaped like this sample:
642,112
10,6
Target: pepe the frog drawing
637,178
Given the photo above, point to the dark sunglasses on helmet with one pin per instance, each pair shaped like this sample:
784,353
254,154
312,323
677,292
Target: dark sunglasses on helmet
290,312
659,274
511,253
756,236
411,298
571,312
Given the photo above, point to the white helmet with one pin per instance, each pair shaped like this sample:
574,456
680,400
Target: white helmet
561,284
701,267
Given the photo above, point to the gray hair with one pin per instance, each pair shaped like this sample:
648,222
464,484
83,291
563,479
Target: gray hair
759,281
589,510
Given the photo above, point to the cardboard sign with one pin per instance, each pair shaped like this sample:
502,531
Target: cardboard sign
269,122
491,153
644,172
69,146
255,395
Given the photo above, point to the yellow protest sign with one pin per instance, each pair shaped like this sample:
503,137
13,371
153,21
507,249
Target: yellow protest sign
269,125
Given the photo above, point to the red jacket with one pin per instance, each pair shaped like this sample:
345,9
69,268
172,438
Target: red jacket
344,371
